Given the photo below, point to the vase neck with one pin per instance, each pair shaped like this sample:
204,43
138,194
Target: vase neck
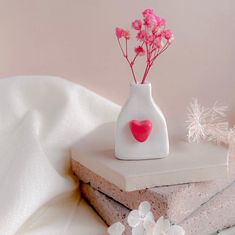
141,91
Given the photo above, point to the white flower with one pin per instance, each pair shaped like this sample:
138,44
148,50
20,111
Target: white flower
163,227
116,229
142,223
141,219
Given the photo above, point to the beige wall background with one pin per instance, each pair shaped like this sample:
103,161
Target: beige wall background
75,39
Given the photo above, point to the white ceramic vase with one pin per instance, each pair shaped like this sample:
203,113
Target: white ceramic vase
141,130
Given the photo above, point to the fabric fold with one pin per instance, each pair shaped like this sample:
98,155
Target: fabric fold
41,117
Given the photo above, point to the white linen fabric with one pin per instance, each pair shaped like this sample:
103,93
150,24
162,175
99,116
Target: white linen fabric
40,118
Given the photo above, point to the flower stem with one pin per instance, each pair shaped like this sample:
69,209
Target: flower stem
151,61
148,56
121,47
145,73
126,49
160,52
132,71
128,61
133,61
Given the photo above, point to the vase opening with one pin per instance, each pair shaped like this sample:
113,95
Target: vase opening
143,90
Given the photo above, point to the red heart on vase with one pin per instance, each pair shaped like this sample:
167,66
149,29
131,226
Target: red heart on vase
140,129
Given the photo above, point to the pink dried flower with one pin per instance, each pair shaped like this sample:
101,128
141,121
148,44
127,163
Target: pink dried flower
160,21
137,24
168,34
150,31
156,30
151,39
139,51
159,42
148,12
150,21
119,32
141,35
126,34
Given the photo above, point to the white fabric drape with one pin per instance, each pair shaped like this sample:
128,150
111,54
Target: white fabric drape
40,118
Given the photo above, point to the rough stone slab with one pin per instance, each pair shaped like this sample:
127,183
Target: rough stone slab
187,162
216,214
106,207
175,202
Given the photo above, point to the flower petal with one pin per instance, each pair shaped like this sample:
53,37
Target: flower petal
158,227
175,230
133,218
139,230
149,221
116,229
144,208
166,225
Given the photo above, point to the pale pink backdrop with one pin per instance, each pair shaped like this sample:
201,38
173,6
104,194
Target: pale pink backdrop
75,39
